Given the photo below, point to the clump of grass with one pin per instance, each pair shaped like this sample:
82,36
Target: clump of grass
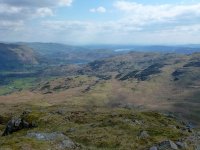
17,142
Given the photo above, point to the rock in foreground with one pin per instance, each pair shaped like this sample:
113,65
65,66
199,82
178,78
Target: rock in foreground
16,124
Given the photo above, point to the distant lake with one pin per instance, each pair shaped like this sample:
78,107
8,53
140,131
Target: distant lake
123,49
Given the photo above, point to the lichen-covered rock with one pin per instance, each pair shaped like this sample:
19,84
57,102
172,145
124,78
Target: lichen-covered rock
165,145
61,141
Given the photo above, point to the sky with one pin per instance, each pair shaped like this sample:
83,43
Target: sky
81,22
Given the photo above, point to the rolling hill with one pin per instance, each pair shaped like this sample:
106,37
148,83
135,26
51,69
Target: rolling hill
158,81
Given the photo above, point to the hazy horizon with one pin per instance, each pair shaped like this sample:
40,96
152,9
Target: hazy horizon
105,44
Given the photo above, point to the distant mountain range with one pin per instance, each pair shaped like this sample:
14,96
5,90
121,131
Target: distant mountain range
14,56
19,55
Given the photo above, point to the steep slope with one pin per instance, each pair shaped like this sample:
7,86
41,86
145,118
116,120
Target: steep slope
15,56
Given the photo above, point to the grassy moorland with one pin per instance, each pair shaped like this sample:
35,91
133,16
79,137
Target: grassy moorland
92,127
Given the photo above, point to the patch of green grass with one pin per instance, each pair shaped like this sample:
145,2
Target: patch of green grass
17,85
23,83
5,90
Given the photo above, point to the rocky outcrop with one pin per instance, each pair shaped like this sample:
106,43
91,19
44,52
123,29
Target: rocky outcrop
151,70
178,73
143,74
128,76
192,64
16,124
62,84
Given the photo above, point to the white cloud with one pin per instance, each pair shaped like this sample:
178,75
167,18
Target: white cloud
14,11
99,10
9,9
119,32
65,2
37,3
86,32
26,9
94,27
111,32
43,12
141,13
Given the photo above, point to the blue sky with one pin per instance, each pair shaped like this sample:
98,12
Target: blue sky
101,21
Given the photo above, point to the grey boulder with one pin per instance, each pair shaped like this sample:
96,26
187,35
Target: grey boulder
168,145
